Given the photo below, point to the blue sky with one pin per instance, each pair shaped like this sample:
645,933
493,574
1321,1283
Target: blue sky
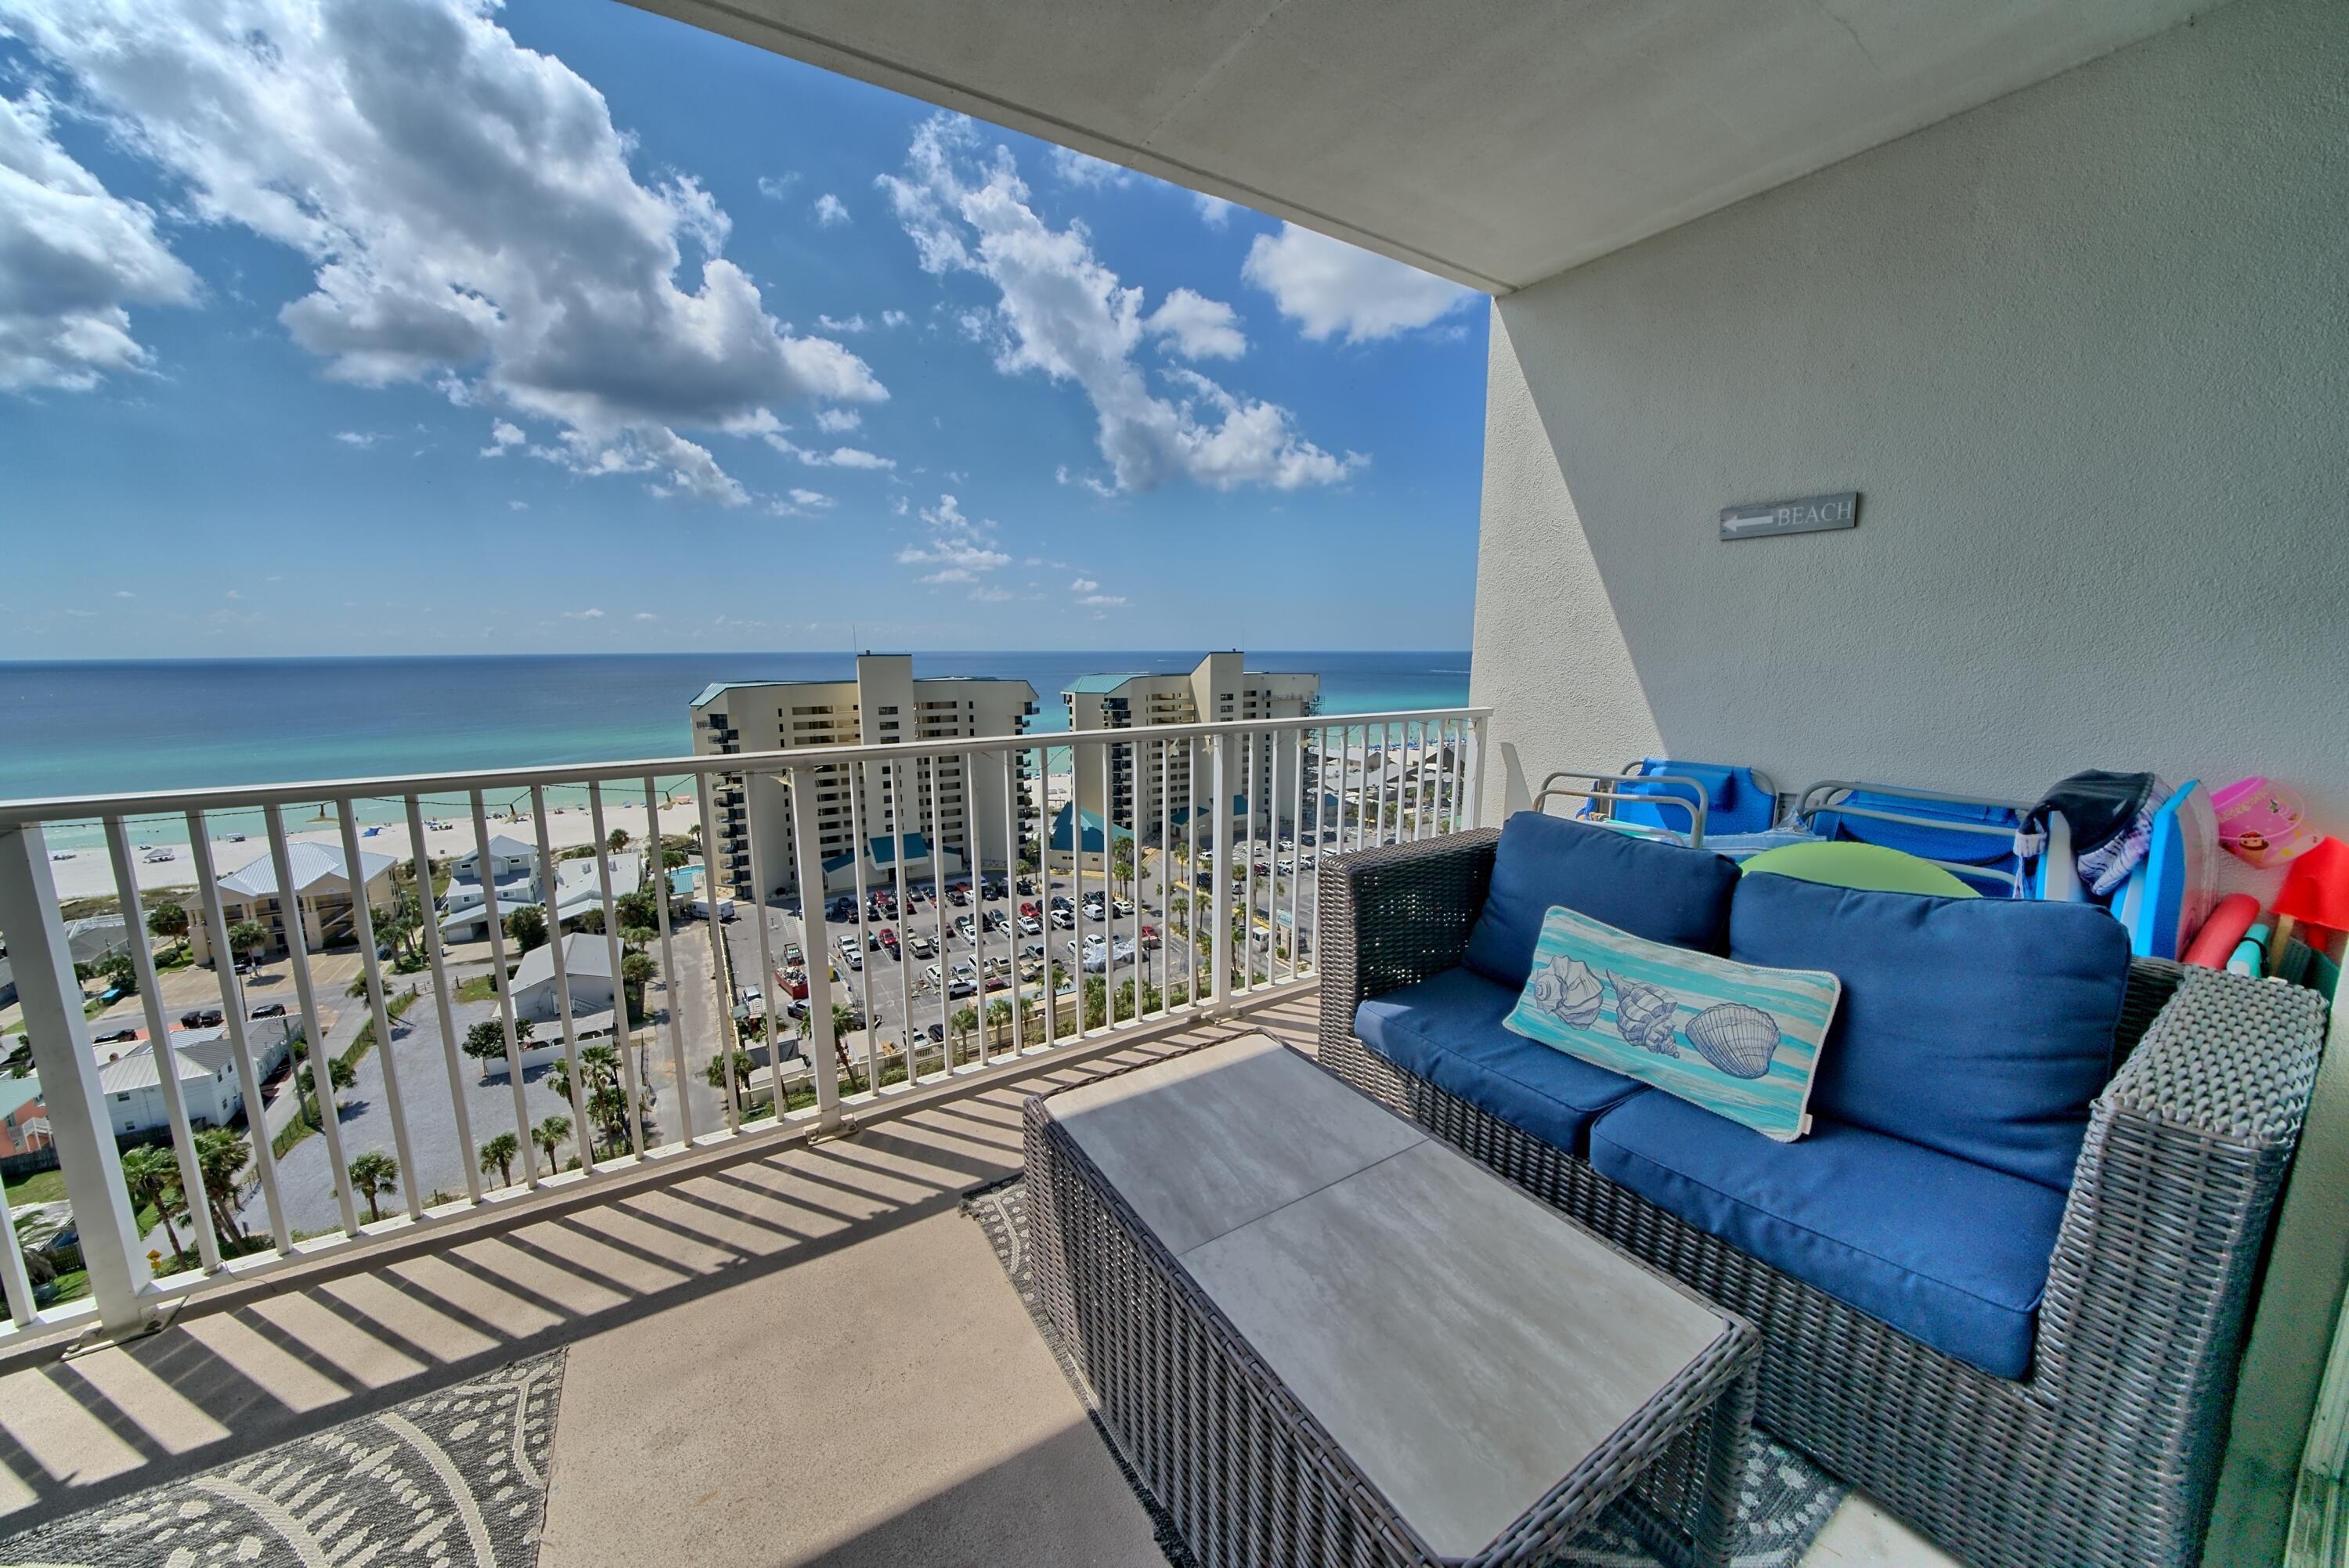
421,325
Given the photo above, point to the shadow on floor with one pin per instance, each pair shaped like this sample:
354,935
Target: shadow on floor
266,1364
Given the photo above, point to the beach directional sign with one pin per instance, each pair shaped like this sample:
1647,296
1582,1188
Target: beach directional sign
1814,514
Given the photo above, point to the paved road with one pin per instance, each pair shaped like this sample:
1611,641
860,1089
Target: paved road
441,1156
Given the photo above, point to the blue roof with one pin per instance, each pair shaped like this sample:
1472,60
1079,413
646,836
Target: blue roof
1091,831
885,852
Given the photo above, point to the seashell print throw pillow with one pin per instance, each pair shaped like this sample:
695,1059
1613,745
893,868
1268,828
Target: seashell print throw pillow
1736,1040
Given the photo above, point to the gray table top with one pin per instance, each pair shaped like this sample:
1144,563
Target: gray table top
1467,1345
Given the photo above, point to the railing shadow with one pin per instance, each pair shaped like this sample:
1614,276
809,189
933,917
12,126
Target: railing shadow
258,1365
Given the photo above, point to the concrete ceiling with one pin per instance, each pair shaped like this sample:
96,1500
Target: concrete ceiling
1493,141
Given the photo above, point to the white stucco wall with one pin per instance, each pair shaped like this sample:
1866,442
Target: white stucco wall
2084,353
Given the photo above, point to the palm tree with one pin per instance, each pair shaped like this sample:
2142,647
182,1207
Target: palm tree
153,1176
501,1152
617,842
245,936
999,1017
549,1136
965,1020
221,1156
527,926
373,1174
168,920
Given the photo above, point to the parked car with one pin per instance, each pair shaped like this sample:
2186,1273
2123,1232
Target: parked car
921,945
1124,908
967,927
958,895
1064,919
1061,901
201,1018
1030,908
961,988
268,1010
842,908
1030,926
936,1033
933,974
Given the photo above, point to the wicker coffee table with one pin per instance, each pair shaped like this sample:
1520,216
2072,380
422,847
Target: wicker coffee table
1322,1336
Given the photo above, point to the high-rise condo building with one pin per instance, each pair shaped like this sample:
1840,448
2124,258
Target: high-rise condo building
962,803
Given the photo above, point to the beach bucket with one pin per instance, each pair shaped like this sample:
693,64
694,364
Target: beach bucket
2261,822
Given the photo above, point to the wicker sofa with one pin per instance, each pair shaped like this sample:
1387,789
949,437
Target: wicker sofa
2106,1451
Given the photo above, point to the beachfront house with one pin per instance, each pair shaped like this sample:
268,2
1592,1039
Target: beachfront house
467,907
321,898
1947,395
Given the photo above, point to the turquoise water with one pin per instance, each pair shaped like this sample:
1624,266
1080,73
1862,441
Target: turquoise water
117,726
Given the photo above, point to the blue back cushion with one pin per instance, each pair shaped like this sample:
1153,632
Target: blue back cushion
1982,1027
1660,891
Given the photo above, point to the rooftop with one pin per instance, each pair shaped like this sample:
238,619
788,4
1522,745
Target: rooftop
310,863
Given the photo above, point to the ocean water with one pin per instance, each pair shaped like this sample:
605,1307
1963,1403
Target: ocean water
118,727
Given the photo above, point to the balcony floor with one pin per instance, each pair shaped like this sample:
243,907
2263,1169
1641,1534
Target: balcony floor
810,1357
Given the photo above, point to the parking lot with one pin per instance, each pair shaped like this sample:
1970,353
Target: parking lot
927,962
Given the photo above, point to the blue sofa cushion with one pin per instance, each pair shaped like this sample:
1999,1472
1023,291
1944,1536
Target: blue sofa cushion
1662,892
1980,1027
1448,1031
1949,1252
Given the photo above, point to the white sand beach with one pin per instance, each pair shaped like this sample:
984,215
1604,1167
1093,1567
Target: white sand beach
89,872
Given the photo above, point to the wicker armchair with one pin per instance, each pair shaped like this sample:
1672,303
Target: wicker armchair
2107,1452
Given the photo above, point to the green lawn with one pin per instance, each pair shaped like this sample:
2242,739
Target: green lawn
40,1187
478,989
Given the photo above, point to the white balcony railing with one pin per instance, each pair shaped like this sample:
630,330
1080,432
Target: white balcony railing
1244,905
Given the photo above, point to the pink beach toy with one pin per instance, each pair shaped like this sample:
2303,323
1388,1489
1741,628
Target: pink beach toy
2261,822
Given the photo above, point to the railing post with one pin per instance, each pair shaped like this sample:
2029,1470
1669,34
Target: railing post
823,1067
43,961
1476,785
1219,903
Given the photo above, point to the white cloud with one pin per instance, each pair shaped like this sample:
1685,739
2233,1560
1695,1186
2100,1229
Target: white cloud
838,421
773,187
810,498
1061,312
831,212
1104,601
848,457
895,318
1083,585
961,548
502,435
1071,167
590,614
1214,210
360,438
124,594
72,259
517,506
839,323
646,615
466,209
1328,287
1198,327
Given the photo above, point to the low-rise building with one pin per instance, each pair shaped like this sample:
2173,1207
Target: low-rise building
467,907
322,895
206,1059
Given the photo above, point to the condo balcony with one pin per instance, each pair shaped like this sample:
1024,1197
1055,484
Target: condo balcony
1423,1135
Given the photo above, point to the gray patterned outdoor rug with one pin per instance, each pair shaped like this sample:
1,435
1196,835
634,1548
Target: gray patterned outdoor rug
1783,1504
452,1479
